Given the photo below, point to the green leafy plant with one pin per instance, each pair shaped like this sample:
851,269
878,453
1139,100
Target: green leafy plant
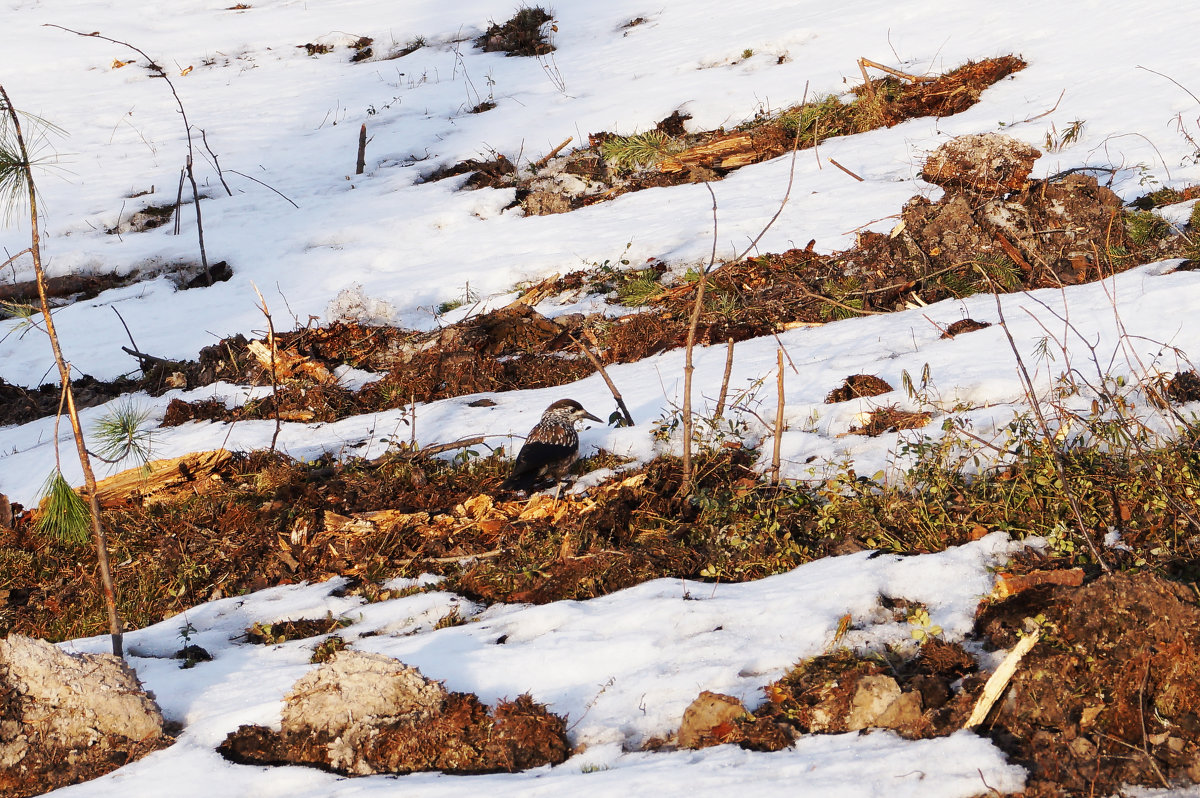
923,630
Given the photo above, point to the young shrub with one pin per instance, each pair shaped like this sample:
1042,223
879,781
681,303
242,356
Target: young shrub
120,434
63,516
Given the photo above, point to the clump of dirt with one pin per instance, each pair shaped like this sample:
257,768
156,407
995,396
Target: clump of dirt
984,163
890,419
964,326
269,634
68,718
362,49
147,218
362,714
1184,387
1111,694
714,719
928,694
856,386
524,34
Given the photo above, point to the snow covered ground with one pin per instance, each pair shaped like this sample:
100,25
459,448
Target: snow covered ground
283,118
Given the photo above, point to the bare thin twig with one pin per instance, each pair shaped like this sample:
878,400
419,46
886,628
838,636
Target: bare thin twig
216,163
1035,404
539,163
786,194
685,485
628,419
274,378
847,171
264,185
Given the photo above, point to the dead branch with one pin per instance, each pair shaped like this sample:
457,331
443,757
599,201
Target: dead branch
143,357
274,378
786,194
216,163
538,164
847,171
720,411
1043,113
775,451
685,485
264,185
628,419
999,680
867,62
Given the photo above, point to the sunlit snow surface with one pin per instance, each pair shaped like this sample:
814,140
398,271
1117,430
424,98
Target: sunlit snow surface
622,667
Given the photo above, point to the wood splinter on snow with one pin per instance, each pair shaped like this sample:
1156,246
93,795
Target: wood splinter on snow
999,680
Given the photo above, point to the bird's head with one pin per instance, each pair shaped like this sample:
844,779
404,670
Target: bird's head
571,409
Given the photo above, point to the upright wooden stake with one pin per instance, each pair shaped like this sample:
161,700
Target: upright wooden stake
362,150
778,421
720,411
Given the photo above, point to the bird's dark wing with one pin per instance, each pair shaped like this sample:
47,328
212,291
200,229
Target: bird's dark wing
535,456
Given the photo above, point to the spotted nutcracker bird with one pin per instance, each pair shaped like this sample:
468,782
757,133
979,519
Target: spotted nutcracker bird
549,449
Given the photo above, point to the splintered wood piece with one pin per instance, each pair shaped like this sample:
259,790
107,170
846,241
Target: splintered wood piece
727,152
999,680
289,364
143,482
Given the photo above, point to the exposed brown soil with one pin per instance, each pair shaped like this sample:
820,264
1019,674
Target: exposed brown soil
16,296
19,405
971,239
1184,387
269,634
891,419
964,326
362,714
856,386
1111,695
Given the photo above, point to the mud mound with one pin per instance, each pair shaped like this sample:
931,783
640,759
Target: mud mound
361,714
68,718
964,326
524,34
858,385
1111,695
927,695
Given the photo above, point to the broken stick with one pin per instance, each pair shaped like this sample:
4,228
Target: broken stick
999,680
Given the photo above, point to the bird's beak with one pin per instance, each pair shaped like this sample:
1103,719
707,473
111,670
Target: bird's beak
593,418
